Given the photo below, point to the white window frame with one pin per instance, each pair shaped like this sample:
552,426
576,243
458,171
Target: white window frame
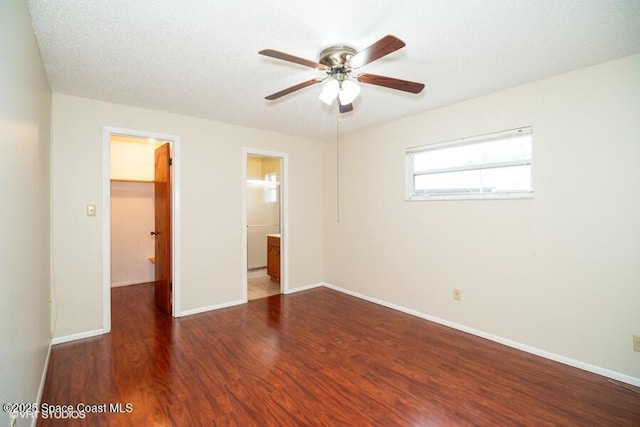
411,173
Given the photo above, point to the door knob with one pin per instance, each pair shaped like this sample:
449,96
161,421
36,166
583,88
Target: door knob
154,233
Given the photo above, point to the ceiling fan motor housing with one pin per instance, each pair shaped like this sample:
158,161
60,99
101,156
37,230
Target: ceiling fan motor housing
336,58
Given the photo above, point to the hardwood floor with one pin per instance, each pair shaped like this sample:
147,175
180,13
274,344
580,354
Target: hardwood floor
316,358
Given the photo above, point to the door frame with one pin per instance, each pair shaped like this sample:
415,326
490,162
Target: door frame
106,217
284,217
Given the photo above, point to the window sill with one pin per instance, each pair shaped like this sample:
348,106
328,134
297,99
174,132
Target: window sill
484,196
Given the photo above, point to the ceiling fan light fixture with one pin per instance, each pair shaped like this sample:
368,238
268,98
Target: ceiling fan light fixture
329,91
349,91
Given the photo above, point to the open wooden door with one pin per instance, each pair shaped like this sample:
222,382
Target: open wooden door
164,285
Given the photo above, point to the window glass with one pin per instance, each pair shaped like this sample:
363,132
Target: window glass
490,165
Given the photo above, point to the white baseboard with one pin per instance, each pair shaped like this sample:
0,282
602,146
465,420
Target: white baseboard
210,308
304,288
75,337
519,346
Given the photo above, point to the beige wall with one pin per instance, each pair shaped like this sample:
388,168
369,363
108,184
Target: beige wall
259,166
254,167
270,165
559,272
24,213
211,182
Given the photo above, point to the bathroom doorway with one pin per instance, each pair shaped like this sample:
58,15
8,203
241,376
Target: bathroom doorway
264,201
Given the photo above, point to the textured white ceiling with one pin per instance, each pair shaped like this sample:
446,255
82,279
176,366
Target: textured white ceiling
200,57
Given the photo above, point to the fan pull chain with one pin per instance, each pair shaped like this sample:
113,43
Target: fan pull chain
337,169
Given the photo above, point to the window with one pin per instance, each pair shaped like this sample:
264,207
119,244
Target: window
496,165
271,179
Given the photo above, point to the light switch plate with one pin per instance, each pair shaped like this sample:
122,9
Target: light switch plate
91,210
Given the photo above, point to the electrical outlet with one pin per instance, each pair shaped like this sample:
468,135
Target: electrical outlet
456,294
636,343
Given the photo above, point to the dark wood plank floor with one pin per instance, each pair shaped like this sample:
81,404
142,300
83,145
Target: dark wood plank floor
316,358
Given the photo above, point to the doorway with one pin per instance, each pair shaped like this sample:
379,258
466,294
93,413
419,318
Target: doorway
264,201
139,226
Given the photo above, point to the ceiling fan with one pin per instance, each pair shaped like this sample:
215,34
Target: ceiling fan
338,62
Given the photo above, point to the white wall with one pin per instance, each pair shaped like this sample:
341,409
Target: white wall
24,214
132,219
560,272
211,205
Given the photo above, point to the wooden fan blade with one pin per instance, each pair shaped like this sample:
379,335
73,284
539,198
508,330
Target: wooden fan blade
293,88
390,82
286,57
345,108
382,47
